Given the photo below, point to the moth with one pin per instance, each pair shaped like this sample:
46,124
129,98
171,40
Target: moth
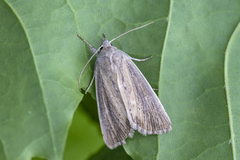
126,101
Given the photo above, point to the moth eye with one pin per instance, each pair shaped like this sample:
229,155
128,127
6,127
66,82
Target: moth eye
101,48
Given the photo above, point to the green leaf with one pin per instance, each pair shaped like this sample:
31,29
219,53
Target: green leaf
192,86
232,79
38,86
41,58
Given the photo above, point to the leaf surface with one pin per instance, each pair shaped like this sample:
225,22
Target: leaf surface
195,65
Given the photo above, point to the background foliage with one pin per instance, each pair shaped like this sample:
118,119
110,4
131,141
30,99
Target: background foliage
195,49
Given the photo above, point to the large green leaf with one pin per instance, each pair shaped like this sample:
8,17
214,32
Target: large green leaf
41,58
38,84
192,83
232,79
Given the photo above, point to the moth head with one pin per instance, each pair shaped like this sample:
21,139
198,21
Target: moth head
105,42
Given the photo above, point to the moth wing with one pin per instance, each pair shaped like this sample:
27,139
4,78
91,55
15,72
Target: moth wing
114,122
144,109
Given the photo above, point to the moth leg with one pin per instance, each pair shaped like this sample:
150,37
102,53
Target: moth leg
143,60
89,85
135,59
93,49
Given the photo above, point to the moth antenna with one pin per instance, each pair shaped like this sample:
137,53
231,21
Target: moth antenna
135,59
90,84
95,52
93,49
130,31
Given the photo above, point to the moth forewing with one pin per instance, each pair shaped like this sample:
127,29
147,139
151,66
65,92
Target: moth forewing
144,109
126,102
114,122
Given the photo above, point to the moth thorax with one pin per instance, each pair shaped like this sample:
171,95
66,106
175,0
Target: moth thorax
106,43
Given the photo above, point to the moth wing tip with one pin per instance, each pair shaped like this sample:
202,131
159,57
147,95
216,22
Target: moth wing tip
146,132
169,129
130,135
116,144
